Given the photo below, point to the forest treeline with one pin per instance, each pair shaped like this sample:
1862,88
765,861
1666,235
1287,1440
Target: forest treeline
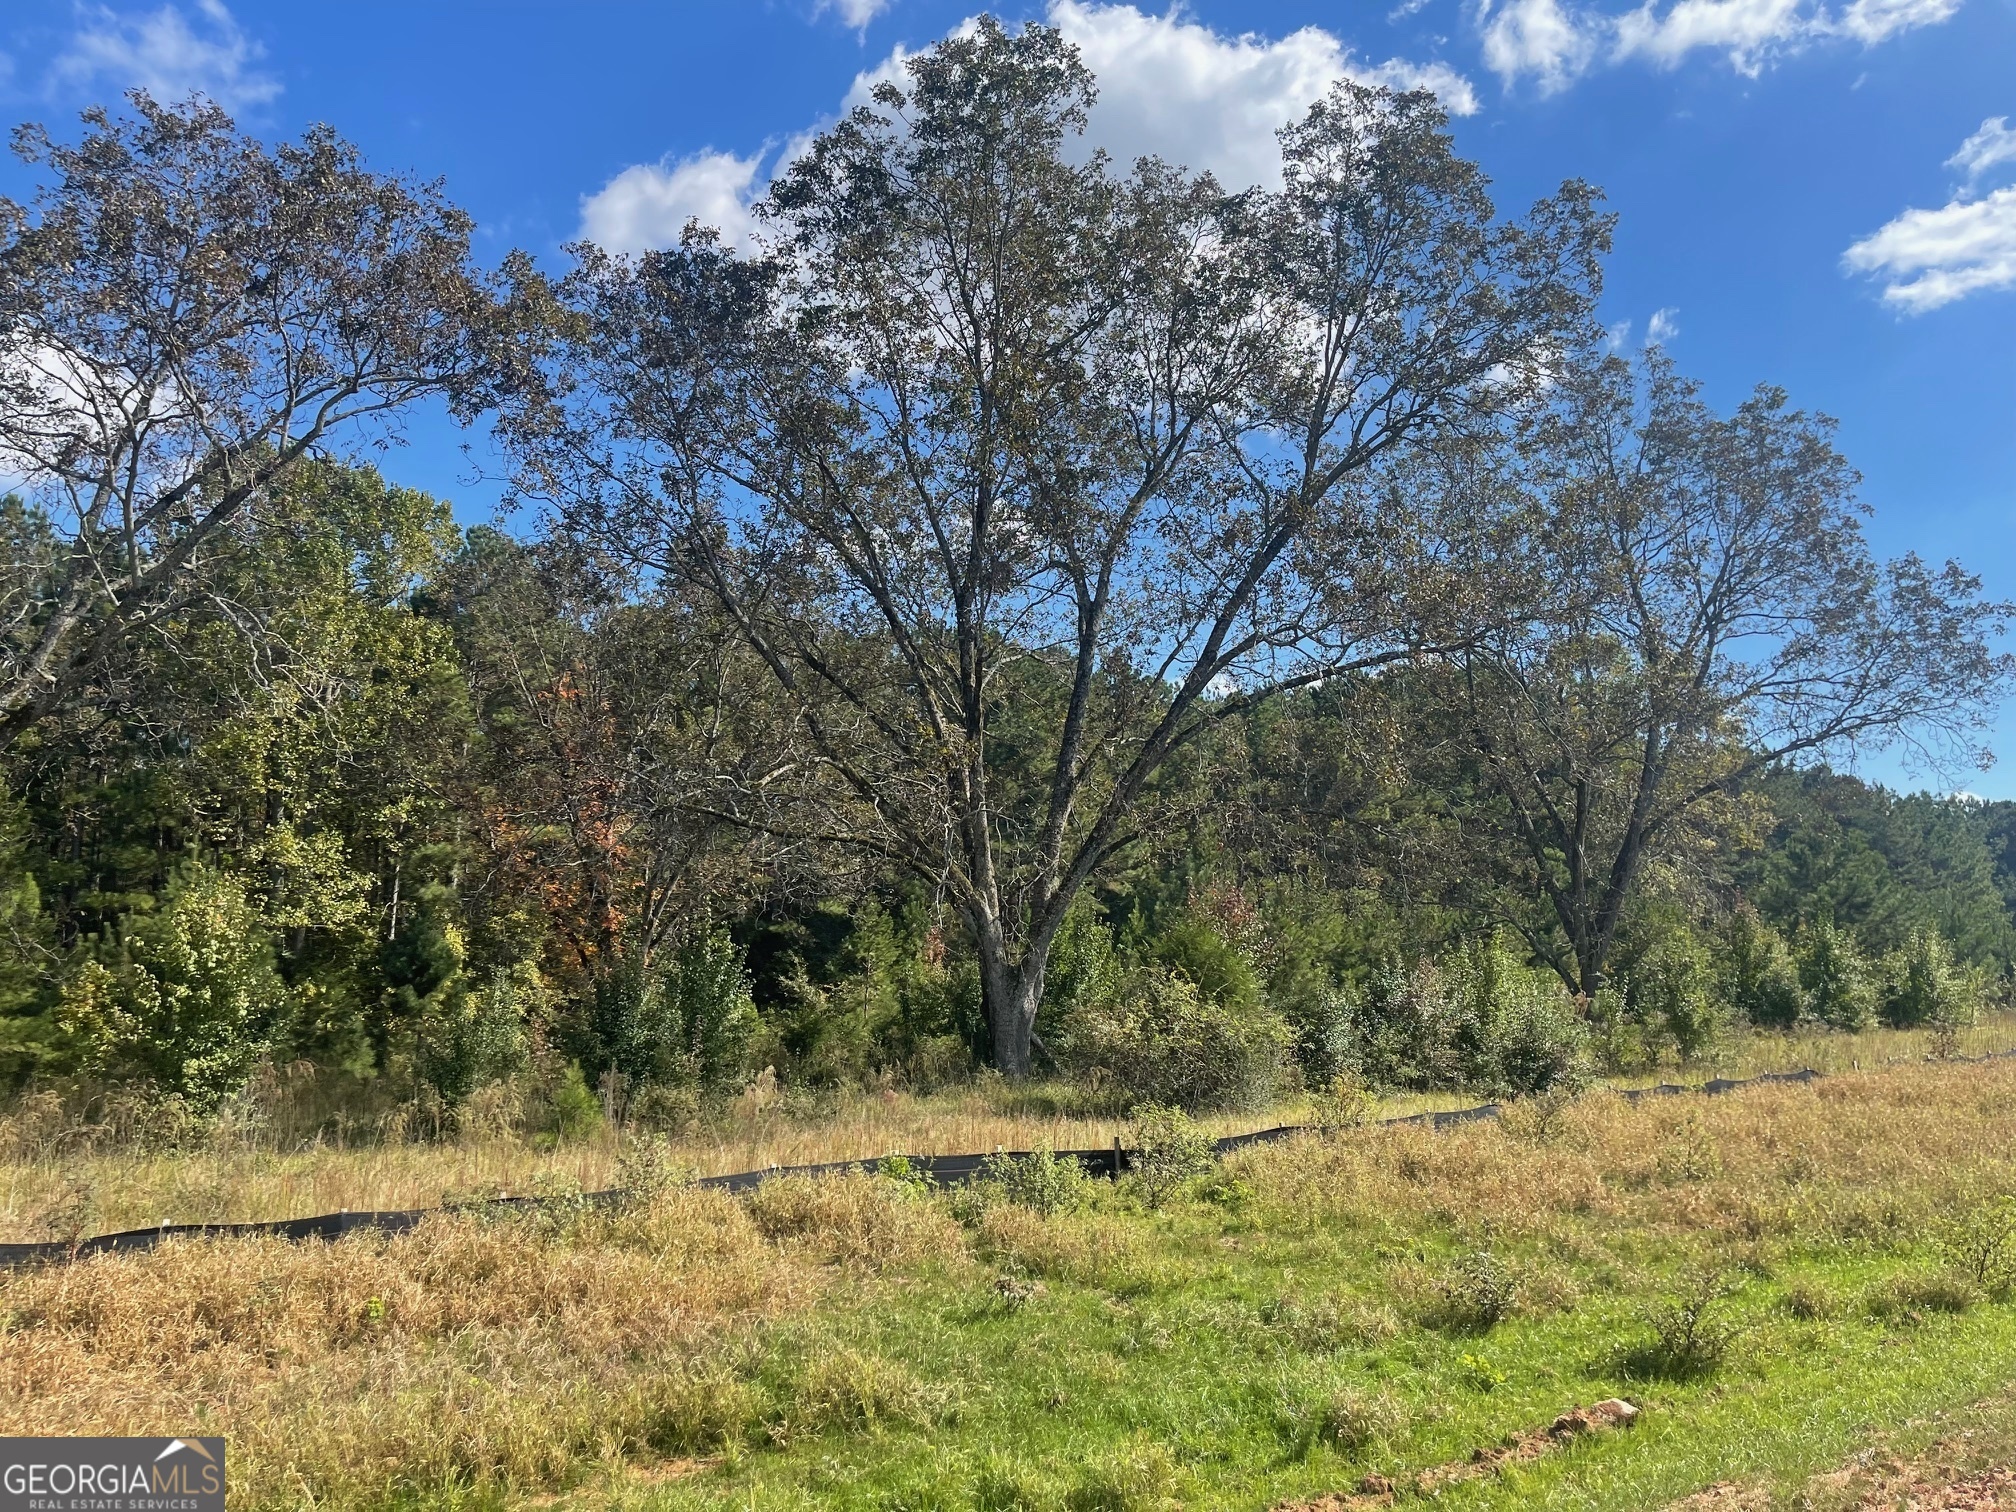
1025,613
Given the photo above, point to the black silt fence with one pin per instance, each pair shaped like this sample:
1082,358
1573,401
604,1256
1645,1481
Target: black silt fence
941,1170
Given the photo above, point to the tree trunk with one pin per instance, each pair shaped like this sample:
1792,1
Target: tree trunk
1010,992
1593,975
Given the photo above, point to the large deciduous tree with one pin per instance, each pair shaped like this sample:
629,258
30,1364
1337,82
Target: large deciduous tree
185,316
1703,607
1018,473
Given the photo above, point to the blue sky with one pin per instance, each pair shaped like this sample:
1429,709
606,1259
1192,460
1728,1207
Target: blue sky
1819,195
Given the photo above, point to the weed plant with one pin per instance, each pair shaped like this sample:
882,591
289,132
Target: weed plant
1169,1152
1691,1331
1478,1293
1039,1181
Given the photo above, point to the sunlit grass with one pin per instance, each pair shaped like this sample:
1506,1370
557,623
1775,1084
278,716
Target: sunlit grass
47,1185
855,1343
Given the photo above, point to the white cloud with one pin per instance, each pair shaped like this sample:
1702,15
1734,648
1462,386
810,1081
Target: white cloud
648,205
1994,143
1540,39
1930,258
1879,20
1663,326
168,55
1552,43
855,13
1179,90
1167,86
1748,32
891,70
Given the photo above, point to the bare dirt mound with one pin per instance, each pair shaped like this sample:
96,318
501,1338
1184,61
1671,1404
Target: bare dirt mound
1929,1487
1898,1488
1972,1469
1522,1448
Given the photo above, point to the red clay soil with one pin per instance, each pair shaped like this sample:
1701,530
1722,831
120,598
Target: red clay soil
1898,1488
1521,1448
1870,1483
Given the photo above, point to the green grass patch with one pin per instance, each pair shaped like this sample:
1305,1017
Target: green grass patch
1225,1364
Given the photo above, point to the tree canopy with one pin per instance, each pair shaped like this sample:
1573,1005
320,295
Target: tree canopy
1029,612
990,426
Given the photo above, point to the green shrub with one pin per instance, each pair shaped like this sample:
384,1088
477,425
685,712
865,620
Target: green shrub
469,1037
666,1108
1159,1039
1343,1103
1671,988
1840,989
1909,1297
1528,1036
1811,1301
1039,1181
1980,1244
905,1173
1401,1028
187,998
1482,1020
1477,1294
647,1168
1479,1374
1168,1152
684,1021
1084,971
28,1044
1760,979
1691,1332
1192,947
1325,1020
709,1013
27,1034
1353,1421
1620,1044
564,1107
1922,987
1013,1293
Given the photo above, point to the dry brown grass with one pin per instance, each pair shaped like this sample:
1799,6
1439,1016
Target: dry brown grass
44,1176
521,1353
1870,1157
51,1180
1834,1053
854,1219
1094,1249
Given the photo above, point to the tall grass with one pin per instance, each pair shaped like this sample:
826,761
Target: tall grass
858,1322
55,1182
506,1353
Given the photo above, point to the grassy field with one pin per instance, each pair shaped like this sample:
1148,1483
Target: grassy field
57,1181
1379,1302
